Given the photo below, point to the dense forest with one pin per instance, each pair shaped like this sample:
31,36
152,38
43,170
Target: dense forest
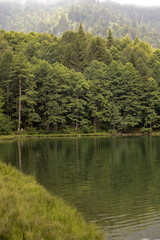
56,17
77,83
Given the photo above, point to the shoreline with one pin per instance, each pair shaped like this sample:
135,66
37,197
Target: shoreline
25,136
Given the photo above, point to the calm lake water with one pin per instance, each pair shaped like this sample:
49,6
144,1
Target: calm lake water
114,182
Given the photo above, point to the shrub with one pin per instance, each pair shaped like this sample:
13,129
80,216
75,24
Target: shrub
5,126
145,130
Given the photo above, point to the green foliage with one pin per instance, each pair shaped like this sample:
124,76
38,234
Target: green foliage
5,123
74,56
78,83
145,130
99,93
98,51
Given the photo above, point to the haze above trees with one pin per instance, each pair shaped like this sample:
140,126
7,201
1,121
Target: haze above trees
58,16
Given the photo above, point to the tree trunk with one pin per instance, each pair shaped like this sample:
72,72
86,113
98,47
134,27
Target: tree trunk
20,106
72,124
77,97
76,124
150,126
7,101
125,128
48,124
55,127
95,124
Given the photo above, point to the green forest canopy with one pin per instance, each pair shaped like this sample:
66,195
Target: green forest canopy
77,82
56,17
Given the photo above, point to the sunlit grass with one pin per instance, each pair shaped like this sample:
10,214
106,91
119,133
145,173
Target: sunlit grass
12,137
29,212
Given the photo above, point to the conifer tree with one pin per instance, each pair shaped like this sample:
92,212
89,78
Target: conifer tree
97,51
110,38
136,41
75,54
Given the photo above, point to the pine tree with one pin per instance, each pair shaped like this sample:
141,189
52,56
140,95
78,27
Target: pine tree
75,54
136,41
97,51
110,38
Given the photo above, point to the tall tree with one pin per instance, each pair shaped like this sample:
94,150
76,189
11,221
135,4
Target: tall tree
5,123
110,38
99,93
43,76
5,81
75,53
97,51
126,88
77,100
22,87
151,102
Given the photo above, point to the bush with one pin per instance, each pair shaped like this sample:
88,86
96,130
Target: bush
5,125
87,129
145,130
67,130
31,131
113,131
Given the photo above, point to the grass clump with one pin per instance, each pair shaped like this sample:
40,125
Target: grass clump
29,212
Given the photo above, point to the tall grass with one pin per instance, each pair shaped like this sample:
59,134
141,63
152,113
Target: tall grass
29,212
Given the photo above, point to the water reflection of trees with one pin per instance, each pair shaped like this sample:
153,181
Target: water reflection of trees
98,175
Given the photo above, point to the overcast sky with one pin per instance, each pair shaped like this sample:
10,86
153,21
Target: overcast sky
133,2
140,2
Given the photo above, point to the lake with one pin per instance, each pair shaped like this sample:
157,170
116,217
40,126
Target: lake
114,182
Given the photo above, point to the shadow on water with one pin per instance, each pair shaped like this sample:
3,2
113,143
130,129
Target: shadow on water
114,181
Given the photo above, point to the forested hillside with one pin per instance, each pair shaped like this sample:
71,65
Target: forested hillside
58,16
77,82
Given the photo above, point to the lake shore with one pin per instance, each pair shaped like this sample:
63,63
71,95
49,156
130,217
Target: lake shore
75,135
28,211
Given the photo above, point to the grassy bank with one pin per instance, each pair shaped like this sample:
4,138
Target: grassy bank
29,212
12,137
103,134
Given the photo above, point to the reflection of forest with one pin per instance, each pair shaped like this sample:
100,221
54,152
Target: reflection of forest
112,180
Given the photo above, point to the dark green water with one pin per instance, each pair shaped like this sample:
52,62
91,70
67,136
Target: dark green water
114,182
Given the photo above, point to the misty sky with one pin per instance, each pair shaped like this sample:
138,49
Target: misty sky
140,2
133,2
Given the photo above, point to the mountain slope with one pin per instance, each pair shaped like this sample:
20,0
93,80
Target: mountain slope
58,16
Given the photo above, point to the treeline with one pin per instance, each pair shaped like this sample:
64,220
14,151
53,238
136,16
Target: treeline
56,17
77,82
